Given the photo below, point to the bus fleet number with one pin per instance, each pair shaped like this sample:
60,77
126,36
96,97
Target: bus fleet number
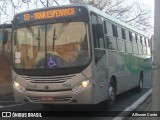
67,85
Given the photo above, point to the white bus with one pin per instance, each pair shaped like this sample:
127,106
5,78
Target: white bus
75,54
5,44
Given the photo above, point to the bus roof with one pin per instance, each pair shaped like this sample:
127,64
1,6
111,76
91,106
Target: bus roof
97,11
5,26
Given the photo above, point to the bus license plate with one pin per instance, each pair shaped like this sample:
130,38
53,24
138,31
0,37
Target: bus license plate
47,98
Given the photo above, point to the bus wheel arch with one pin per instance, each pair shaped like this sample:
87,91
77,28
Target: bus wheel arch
113,78
141,75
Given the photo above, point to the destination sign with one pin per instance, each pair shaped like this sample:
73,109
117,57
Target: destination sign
46,14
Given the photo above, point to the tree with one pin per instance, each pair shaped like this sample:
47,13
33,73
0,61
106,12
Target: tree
8,8
134,13
49,3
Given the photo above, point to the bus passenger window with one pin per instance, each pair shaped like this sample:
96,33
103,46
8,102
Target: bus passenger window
94,22
119,32
97,27
109,28
141,39
130,36
105,27
128,43
114,30
100,32
145,41
120,40
123,33
135,45
139,44
136,38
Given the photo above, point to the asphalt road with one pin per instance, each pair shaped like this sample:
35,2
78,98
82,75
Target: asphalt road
124,100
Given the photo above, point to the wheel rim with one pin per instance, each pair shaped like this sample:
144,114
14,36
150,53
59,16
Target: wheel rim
112,94
141,84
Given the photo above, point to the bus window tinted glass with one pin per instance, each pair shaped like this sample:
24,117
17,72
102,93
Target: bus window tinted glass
130,36
105,27
68,48
29,50
123,33
114,30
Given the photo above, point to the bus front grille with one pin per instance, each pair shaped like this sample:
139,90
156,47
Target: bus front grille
48,79
55,99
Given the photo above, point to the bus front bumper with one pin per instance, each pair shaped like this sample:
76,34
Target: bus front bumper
58,97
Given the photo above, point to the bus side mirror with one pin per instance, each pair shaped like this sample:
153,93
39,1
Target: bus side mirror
5,36
99,30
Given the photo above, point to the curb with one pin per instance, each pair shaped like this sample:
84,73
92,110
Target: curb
133,106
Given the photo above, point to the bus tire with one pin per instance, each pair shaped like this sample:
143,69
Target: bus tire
140,86
111,94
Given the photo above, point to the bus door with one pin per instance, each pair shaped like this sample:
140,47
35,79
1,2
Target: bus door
100,56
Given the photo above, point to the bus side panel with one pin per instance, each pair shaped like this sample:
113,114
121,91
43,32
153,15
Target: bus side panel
101,78
116,68
125,69
132,68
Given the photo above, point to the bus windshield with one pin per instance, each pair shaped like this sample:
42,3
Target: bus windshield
51,46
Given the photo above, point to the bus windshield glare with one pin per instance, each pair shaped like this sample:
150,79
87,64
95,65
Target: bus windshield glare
51,46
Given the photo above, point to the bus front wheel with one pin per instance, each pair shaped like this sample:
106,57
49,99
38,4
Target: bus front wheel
111,94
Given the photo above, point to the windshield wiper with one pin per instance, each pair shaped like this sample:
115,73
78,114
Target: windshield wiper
38,39
60,31
62,28
34,35
54,38
31,31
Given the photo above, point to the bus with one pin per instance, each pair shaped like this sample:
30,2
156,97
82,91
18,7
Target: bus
75,54
5,44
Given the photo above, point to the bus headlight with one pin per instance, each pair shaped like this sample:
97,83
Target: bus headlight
18,87
81,86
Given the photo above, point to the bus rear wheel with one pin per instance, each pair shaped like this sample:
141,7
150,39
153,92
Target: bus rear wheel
111,94
140,86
